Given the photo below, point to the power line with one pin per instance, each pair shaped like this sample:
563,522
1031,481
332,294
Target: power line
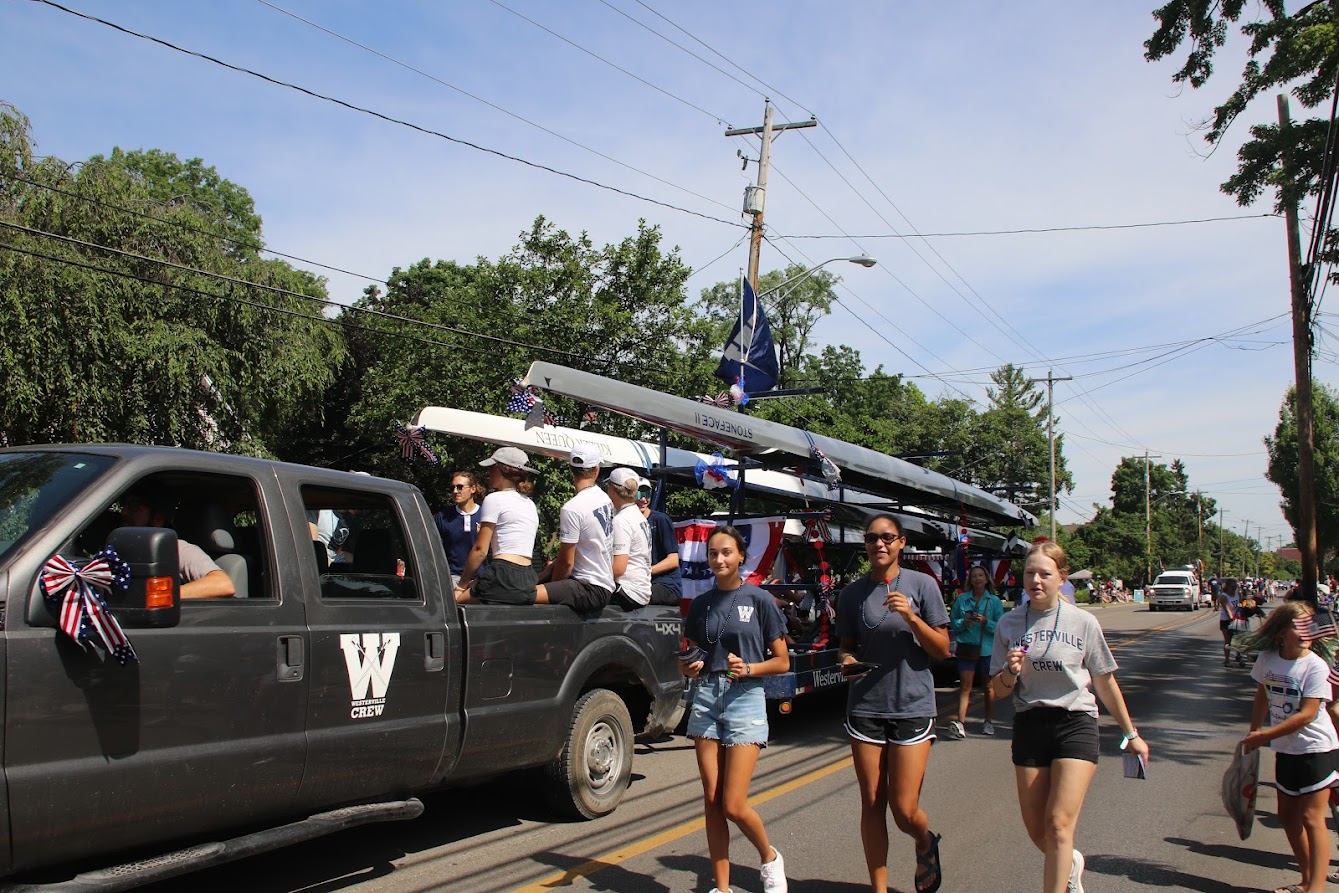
492,105
718,118
385,117
773,90
233,280
1037,230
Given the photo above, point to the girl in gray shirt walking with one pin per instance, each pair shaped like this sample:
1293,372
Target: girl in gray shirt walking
1047,655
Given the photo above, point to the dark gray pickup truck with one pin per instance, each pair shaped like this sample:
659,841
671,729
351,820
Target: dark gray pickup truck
336,681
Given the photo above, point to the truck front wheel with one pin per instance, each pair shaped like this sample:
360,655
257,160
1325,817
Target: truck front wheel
591,774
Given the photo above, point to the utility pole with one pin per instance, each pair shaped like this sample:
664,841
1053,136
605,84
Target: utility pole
1245,545
1220,542
1050,379
1301,312
755,197
1148,520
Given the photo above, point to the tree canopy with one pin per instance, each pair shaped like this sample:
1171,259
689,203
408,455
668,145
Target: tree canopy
1282,447
178,332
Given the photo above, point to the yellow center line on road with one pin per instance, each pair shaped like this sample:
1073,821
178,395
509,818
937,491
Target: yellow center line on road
1194,618
647,844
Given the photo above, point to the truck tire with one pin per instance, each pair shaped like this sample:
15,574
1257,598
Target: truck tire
591,774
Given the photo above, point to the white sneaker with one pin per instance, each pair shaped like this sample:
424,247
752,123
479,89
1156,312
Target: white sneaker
1075,884
774,874
988,728
956,729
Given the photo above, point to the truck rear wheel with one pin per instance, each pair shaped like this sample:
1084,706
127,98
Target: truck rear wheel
590,776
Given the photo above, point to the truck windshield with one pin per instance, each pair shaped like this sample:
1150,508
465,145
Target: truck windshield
34,487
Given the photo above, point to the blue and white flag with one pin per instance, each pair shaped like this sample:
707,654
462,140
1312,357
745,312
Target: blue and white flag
749,358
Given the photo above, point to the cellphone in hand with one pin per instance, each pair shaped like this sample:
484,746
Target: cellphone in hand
1135,767
691,654
857,668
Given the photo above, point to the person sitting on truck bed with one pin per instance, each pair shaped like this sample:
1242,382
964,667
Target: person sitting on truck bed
508,522
632,542
582,576
200,577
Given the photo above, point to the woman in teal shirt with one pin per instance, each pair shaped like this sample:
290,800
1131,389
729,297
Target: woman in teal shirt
973,618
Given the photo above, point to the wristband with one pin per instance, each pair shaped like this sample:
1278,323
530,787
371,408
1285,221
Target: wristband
748,669
1126,738
1015,674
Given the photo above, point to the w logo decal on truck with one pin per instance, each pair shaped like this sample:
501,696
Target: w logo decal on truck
370,659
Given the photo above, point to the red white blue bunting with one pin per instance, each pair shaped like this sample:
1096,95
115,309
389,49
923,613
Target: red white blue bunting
414,444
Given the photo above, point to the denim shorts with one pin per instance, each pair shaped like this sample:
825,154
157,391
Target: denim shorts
728,712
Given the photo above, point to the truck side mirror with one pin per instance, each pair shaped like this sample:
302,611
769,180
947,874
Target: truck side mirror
154,596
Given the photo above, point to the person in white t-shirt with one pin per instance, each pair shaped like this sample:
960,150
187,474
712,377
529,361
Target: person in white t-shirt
1289,715
582,576
508,525
632,541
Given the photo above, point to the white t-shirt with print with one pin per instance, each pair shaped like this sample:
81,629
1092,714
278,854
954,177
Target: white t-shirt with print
516,519
1065,649
1286,683
587,520
632,537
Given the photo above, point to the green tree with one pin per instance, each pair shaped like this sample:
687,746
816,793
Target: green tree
107,346
1297,51
616,310
1282,469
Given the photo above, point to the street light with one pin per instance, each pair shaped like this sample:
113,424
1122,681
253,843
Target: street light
863,260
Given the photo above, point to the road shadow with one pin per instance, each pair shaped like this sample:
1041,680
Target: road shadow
599,875
742,878
1244,855
1157,874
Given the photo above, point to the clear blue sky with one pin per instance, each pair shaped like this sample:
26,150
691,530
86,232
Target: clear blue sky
966,117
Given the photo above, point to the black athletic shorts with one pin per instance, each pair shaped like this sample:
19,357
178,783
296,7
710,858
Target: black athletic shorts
877,730
577,594
1296,774
665,595
504,583
1045,734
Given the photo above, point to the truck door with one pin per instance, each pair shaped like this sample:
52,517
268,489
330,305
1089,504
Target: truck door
378,716
205,731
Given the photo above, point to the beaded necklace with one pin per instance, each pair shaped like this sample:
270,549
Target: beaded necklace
720,630
1027,623
889,586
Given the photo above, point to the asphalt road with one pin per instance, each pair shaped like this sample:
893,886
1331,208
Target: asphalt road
1167,832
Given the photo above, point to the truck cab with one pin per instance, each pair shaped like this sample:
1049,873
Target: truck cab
1175,589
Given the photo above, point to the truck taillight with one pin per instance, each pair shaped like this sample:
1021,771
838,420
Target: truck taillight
158,592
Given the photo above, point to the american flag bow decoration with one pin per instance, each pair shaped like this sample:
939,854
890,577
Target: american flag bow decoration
81,593
721,400
1316,626
414,443
522,398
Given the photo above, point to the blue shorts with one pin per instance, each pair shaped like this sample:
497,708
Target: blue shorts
978,665
728,712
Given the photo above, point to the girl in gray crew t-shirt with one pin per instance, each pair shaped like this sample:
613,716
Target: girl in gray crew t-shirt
1065,649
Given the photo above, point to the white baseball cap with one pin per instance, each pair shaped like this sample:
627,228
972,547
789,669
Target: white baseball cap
584,455
512,456
624,478
643,484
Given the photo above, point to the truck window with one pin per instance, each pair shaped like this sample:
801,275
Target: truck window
359,545
218,514
34,487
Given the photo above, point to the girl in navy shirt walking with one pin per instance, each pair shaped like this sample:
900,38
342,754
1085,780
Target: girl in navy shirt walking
741,637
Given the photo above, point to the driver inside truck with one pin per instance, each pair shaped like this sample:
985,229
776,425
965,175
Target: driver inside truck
200,577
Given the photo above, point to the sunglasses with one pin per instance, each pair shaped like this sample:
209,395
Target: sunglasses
886,538
461,486
644,493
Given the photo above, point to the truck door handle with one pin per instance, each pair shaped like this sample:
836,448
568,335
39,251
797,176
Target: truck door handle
290,663
434,652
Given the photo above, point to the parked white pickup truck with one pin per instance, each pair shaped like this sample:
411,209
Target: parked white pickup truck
1174,589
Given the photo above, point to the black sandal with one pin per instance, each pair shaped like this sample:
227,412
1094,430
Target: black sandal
929,873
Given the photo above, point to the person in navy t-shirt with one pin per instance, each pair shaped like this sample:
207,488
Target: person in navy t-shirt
458,524
741,636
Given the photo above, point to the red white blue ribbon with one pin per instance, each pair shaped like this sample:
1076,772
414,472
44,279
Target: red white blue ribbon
81,593
414,443
721,400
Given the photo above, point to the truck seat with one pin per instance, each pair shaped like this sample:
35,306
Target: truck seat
210,527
